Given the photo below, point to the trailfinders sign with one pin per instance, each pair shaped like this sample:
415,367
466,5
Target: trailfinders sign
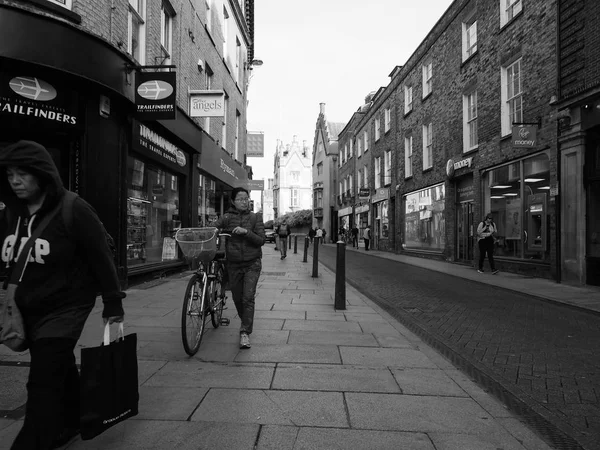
524,136
149,141
155,97
207,103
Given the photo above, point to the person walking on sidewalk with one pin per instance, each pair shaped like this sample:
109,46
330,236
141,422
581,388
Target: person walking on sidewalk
244,254
319,235
367,237
283,231
311,234
65,269
354,233
324,235
486,241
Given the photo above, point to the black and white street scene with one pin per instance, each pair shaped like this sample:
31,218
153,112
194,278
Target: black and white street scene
332,225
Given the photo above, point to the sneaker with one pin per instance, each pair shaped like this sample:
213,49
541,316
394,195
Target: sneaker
479,270
282,257
244,340
494,272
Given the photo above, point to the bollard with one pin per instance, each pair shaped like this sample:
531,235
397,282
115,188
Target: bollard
289,242
340,276
295,244
315,273
304,259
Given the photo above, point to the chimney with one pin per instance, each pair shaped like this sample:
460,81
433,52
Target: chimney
322,106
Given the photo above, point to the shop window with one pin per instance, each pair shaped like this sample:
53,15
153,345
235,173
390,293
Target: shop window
519,205
136,29
208,209
152,213
382,223
424,220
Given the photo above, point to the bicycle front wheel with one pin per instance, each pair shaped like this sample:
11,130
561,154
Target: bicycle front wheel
193,315
217,298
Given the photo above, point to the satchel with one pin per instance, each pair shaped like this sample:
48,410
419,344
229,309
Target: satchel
12,327
108,383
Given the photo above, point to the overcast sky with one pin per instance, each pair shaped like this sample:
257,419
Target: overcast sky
326,51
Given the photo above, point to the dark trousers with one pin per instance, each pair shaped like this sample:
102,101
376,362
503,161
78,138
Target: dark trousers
486,246
283,245
367,241
355,241
52,394
243,281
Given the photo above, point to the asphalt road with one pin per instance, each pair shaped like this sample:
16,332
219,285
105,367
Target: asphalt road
542,359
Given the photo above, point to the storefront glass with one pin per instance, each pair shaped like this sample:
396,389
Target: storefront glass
517,196
382,225
424,221
152,213
208,209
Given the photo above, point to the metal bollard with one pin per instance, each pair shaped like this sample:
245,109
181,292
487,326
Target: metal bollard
340,276
295,244
304,259
289,243
315,273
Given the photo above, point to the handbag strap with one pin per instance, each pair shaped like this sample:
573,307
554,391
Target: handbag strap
24,251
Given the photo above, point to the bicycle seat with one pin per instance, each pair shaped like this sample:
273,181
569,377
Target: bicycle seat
220,254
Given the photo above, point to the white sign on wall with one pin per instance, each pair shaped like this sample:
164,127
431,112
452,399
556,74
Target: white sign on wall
207,103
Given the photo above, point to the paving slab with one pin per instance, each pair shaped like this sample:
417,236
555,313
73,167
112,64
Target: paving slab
317,409
147,369
365,317
460,441
390,341
161,435
280,314
13,393
322,377
354,339
330,314
385,357
277,437
314,309
322,325
523,433
231,337
318,354
343,439
322,299
263,324
427,382
192,374
168,403
9,433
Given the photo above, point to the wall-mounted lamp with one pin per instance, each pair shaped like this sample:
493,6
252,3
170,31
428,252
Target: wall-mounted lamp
254,63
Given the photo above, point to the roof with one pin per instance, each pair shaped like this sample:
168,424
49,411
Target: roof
334,129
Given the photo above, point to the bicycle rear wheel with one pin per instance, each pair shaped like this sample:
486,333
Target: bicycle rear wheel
217,298
193,315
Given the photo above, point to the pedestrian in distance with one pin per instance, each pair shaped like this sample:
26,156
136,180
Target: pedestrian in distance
244,254
354,233
367,237
319,235
486,239
324,235
283,231
311,234
65,269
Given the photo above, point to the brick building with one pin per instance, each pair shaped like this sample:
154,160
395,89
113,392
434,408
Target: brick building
578,100
68,71
472,131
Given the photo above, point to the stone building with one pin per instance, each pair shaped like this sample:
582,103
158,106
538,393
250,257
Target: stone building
68,74
292,178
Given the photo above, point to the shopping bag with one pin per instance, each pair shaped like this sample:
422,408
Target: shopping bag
109,383
12,329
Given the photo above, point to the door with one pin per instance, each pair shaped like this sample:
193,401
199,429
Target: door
464,231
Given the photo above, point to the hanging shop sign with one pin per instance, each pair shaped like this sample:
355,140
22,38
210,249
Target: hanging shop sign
155,95
361,209
452,166
464,189
39,101
150,141
207,103
345,211
255,147
381,194
524,136
216,162
255,185
364,193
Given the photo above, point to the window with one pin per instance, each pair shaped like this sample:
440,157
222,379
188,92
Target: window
225,34
209,15
64,3
470,139
469,38
350,184
320,168
345,153
508,10
295,177
345,186
512,96
366,138
359,180
293,197
166,31
377,172
427,146
208,81
350,148
387,168
238,59
237,140
366,177
424,219
341,188
387,119
408,99
320,147
359,144
318,198
408,156
224,126
136,41
427,79
377,129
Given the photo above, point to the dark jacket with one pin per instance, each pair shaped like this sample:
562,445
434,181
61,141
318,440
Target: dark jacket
242,249
284,230
65,271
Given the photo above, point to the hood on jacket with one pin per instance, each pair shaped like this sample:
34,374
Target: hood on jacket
35,159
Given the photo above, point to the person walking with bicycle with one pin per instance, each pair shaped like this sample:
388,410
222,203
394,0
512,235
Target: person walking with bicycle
244,254
283,231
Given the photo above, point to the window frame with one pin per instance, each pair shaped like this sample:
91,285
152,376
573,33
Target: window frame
427,78
408,99
140,17
366,138
515,7
377,129
387,114
470,122
427,146
67,4
166,30
469,48
387,168
377,168
509,101
408,156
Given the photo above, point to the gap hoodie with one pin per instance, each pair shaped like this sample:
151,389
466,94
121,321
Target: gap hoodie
65,270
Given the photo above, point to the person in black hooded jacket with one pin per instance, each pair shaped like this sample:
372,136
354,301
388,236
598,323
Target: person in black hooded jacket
57,289
244,257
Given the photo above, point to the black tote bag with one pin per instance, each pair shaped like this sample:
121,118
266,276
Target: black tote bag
109,383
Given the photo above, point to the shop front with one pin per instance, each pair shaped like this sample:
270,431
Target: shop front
345,219
424,220
465,226
381,227
520,197
157,171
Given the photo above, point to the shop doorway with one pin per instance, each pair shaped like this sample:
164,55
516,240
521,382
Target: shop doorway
464,233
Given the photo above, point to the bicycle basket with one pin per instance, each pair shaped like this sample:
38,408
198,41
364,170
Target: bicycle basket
197,244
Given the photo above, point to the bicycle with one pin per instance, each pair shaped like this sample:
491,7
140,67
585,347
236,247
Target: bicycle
205,292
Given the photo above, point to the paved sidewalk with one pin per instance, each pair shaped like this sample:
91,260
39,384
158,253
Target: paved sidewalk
585,297
315,378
